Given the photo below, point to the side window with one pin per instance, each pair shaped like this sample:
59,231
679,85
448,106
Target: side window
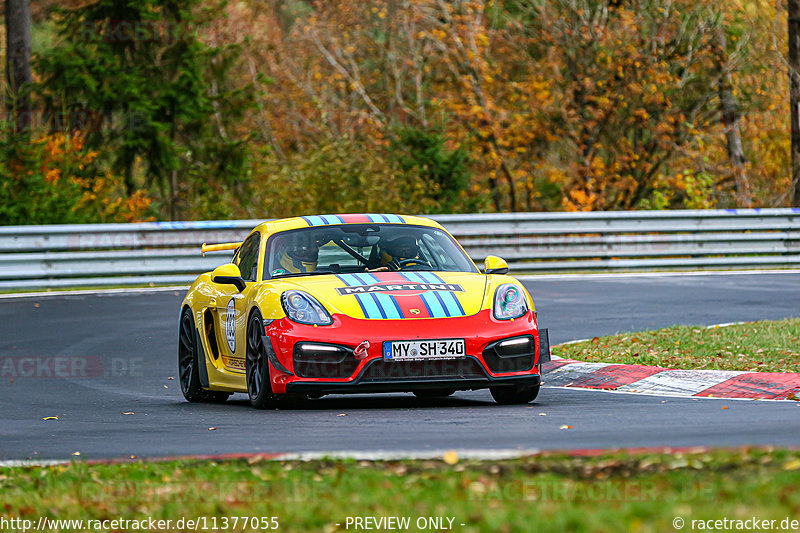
248,257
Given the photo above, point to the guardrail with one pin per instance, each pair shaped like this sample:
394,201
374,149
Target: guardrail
169,252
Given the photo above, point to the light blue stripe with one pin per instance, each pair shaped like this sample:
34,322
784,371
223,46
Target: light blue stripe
449,299
394,218
387,305
316,221
364,279
350,279
370,305
436,309
374,218
331,219
430,278
413,276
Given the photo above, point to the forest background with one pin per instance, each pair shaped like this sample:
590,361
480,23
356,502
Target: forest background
188,109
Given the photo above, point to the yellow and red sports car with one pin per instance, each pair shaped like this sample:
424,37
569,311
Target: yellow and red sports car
334,304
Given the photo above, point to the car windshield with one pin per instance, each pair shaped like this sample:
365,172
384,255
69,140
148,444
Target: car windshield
363,247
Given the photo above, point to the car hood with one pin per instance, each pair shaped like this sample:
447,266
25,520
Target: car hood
395,295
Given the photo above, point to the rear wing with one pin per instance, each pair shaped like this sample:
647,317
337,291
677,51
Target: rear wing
218,247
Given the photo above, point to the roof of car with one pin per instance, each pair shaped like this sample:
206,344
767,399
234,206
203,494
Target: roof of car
284,224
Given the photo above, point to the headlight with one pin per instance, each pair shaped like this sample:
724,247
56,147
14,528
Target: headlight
305,309
509,302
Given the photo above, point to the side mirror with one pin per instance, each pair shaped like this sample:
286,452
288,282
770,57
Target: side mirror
228,274
495,265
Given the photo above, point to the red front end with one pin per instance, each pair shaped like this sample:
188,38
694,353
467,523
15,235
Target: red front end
323,360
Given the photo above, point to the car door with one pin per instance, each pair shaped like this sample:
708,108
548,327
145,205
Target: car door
231,306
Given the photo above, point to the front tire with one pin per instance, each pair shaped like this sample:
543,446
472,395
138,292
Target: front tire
259,385
511,395
188,372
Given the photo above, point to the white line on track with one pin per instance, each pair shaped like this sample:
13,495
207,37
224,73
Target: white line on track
82,292
366,455
665,274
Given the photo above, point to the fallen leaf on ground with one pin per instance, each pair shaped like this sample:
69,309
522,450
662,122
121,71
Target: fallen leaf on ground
794,464
50,418
212,429
76,453
342,414
724,406
565,427
451,457
128,413
542,414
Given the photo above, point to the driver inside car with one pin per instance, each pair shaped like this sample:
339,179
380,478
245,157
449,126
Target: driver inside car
301,254
397,249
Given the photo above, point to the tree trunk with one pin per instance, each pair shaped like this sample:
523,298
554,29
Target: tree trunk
730,119
794,95
18,62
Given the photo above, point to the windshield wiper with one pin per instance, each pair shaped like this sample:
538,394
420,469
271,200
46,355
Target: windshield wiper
296,274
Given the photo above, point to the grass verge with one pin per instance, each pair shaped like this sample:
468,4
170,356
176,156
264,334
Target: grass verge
612,492
765,346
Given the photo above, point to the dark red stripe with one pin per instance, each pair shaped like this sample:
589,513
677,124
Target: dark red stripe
354,219
407,302
763,385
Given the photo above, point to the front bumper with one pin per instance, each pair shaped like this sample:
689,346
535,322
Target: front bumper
373,374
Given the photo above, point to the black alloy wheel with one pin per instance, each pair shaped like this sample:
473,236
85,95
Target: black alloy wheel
188,373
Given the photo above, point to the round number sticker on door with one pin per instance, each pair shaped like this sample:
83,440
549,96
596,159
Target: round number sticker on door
230,325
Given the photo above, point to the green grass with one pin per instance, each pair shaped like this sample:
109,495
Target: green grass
613,492
766,346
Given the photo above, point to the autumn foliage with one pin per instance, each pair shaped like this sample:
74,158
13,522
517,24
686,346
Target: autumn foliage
432,106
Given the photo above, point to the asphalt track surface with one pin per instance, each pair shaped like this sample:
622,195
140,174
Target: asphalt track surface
129,342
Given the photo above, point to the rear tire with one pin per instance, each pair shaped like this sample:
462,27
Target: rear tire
434,393
510,395
259,385
188,365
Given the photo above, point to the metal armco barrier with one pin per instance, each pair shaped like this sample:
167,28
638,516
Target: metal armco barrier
169,252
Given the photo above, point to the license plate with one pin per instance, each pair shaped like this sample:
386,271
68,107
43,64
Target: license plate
424,349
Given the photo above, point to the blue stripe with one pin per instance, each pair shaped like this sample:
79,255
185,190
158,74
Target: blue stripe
441,302
373,218
448,299
308,221
394,218
428,307
397,306
316,221
434,306
412,276
371,305
331,219
388,307
369,278
368,305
